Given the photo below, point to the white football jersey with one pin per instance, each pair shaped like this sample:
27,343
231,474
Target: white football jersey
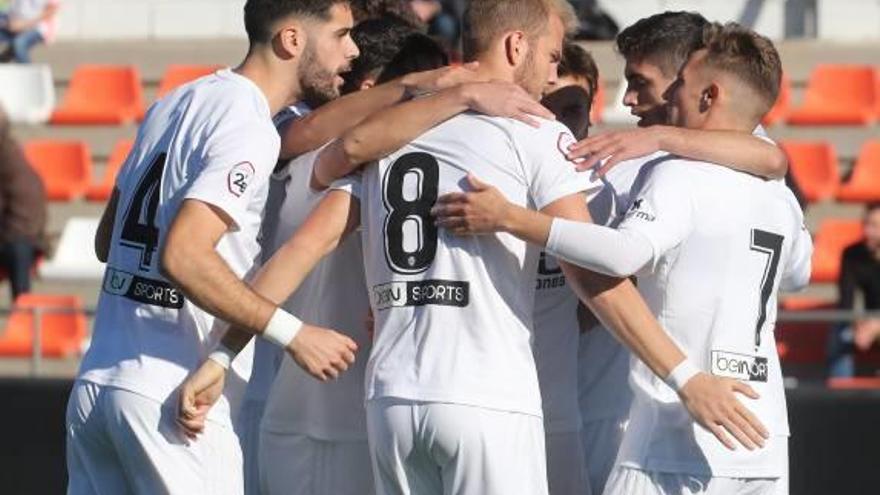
212,141
454,314
723,243
333,296
603,362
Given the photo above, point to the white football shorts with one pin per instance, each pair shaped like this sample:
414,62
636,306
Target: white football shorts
119,442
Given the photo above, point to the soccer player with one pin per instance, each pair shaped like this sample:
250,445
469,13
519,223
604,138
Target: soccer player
178,235
710,266
654,49
312,432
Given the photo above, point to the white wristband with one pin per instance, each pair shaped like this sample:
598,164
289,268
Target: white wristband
282,328
223,356
681,374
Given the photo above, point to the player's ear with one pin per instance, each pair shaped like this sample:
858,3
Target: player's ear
290,41
709,96
368,83
516,47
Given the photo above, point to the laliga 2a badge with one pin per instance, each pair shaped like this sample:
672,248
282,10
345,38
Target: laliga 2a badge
239,178
565,141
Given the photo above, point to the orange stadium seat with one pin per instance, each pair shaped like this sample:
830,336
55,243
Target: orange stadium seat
101,94
64,166
101,191
833,237
782,106
62,333
864,184
855,383
815,168
176,75
838,95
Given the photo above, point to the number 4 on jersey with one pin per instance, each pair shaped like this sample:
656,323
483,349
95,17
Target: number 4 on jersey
139,229
769,244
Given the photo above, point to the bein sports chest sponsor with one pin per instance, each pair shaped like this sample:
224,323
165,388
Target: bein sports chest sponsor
739,366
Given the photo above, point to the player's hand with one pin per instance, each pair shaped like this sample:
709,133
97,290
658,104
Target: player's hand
481,211
322,353
503,99
197,395
431,81
615,147
865,333
712,402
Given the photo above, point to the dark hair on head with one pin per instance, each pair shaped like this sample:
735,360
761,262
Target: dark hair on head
666,39
578,62
261,15
378,40
418,53
749,57
872,207
372,9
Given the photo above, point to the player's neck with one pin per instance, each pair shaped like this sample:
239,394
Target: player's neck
491,70
279,86
726,121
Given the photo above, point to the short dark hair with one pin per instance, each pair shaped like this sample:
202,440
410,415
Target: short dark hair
578,62
666,39
748,56
260,15
372,9
418,53
379,40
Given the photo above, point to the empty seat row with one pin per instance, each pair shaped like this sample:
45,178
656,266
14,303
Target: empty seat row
817,171
66,168
61,320
96,95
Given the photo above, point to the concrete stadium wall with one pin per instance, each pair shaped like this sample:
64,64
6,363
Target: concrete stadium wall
838,20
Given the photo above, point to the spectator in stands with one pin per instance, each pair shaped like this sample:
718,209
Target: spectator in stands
26,23
441,19
22,212
860,273
570,97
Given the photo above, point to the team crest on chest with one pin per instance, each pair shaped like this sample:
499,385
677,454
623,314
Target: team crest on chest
239,178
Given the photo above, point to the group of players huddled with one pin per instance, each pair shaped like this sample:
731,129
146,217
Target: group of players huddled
457,292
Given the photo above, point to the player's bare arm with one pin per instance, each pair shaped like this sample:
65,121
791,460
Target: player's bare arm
734,149
330,222
104,234
389,129
334,118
